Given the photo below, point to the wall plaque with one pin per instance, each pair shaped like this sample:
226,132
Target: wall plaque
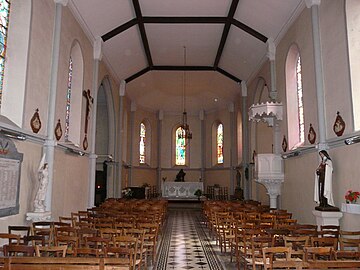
10,167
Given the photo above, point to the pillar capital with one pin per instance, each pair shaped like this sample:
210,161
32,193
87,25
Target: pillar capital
98,49
62,2
310,3
122,88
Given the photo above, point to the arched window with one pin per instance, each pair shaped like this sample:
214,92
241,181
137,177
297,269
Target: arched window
180,147
68,98
4,21
142,143
300,102
220,143
74,95
294,98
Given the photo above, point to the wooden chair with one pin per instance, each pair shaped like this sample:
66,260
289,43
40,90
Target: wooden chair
53,251
45,229
324,242
257,245
97,242
316,253
150,239
329,231
13,239
70,220
19,250
33,240
23,231
297,244
109,233
140,257
71,242
86,252
352,244
272,254
120,252
342,255
85,232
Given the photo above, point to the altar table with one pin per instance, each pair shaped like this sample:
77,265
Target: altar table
181,190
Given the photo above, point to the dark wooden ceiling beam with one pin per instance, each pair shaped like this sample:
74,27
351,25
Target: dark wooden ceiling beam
119,29
185,20
144,39
137,75
226,30
249,30
227,74
183,68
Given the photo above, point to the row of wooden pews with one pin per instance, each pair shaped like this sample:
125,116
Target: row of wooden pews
120,234
257,236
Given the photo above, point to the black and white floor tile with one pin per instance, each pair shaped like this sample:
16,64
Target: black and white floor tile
185,244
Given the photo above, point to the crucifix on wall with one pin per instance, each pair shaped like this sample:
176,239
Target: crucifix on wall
89,101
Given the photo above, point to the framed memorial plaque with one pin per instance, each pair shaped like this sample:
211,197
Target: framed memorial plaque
10,167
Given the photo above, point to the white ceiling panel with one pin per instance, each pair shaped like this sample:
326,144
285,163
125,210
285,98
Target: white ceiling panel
151,91
185,7
241,56
166,43
125,53
242,53
270,16
103,16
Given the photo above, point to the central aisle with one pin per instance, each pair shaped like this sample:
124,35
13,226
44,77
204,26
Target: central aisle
185,244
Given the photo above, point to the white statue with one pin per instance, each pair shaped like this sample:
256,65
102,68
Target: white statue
43,176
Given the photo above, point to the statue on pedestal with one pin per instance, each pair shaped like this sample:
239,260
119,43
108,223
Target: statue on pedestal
323,184
180,177
43,177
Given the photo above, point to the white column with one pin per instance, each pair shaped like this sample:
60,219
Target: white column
202,145
49,144
132,123
118,183
245,142
314,5
92,157
159,141
232,147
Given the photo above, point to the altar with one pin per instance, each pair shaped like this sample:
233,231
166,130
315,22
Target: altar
181,190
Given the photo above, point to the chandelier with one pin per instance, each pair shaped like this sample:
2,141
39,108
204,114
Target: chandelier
185,129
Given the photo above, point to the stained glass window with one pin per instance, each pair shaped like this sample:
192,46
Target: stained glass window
68,100
180,151
4,18
220,143
300,101
142,143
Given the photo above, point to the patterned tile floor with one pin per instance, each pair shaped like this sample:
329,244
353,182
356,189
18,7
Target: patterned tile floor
186,244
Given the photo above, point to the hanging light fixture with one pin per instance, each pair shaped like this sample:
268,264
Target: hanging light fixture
185,129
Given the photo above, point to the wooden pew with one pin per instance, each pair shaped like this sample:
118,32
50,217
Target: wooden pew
58,263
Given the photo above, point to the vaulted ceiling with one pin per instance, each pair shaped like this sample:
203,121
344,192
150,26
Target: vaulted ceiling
144,44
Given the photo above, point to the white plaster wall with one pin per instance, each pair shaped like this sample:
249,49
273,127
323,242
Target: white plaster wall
38,76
